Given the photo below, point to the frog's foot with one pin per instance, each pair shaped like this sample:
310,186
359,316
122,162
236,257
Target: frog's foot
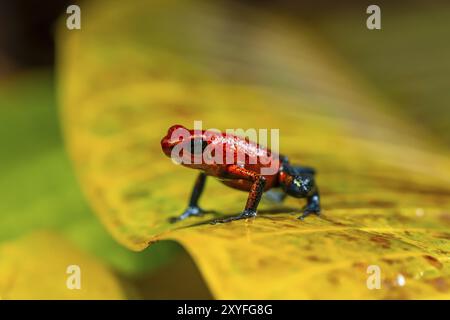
191,211
309,209
246,214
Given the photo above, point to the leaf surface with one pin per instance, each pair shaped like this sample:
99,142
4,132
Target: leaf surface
132,72
38,187
35,267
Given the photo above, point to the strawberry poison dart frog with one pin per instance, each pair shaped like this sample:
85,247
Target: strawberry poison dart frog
240,164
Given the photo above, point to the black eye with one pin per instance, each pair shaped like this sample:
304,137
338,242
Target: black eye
198,146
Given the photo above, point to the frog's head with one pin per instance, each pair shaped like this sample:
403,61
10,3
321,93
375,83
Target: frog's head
183,145
175,135
298,186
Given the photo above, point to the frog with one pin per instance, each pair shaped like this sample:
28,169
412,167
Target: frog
234,169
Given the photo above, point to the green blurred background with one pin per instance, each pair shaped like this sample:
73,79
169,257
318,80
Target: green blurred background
407,61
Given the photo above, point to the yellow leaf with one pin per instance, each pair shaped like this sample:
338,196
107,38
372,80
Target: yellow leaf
135,71
37,267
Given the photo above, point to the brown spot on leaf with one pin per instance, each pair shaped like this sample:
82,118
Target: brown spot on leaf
442,235
433,261
439,284
385,243
388,261
333,280
360,266
445,217
317,259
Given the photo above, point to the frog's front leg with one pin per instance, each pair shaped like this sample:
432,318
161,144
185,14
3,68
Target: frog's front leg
193,209
256,191
312,204
312,197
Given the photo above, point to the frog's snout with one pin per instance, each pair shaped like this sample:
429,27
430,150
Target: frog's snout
168,142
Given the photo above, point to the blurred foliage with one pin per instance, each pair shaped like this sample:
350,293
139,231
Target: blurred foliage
35,267
38,187
407,60
136,70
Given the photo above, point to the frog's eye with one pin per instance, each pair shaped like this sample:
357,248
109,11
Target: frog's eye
198,146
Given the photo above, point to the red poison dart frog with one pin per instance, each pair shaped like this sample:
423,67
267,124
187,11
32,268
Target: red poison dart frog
228,158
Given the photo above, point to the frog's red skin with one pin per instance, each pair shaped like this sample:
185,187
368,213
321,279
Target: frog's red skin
228,174
244,175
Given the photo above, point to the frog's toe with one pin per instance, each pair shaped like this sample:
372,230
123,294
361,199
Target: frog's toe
189,212
309,209
248,213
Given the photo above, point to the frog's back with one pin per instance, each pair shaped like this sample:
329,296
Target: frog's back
251,156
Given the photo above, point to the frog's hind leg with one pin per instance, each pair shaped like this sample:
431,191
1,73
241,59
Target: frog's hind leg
312,204
193,208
